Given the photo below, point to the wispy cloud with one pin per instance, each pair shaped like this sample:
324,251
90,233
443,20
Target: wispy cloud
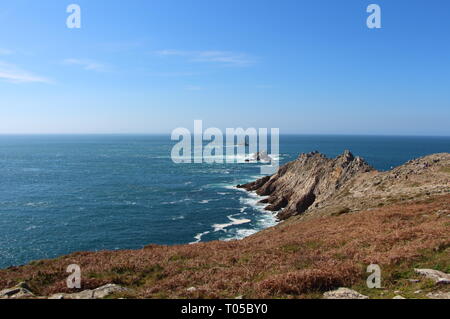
5,52
194,88
226,58
88,65
14,74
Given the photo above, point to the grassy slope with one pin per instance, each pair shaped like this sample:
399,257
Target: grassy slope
296,259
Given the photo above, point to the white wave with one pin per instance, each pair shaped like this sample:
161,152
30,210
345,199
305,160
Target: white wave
36,204
241,234
233,187
198,237
253,200
234,221
239,158
176,201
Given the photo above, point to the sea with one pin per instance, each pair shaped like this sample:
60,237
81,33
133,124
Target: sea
65,193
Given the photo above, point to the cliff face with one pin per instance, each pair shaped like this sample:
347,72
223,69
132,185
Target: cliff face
315,183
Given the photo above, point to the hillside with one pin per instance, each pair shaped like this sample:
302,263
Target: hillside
340,215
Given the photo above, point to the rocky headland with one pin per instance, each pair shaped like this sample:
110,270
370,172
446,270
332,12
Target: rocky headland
314,185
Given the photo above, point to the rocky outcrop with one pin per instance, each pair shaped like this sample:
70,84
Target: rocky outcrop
259,157
315,185
311,179
19,291
437,276
23,291
344,293
439,295
98,293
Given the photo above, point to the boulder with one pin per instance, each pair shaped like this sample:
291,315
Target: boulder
344,293
437,276
97,293
259,156
19,291
439,295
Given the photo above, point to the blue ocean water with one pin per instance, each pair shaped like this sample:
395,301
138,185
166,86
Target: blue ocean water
60,194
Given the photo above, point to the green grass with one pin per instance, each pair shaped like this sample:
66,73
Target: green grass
395,278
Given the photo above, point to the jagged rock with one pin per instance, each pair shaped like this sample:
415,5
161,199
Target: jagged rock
439,295
414,281
344,293
309,179
259,156
443,281
97,293
19,291
315,184
399,297
107,290
437,276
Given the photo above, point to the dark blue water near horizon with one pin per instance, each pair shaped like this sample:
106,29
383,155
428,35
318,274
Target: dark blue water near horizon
60,194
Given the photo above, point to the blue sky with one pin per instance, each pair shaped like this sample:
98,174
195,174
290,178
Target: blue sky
151,66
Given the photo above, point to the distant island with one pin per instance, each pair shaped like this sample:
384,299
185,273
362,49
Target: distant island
337,217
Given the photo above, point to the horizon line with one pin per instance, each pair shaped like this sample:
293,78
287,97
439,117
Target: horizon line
169,133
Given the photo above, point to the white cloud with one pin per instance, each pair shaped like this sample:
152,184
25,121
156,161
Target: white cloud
86,64
5,52
13,74
221,57
194,88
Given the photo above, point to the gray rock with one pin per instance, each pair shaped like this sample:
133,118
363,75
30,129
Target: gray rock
399,297
97,293
19,291
106,290
437,276
439,295
191,289
344,293
443,281
259,156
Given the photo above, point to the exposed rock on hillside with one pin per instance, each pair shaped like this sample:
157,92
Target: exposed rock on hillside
311,179
19,291
437,276
315,183
344,293
97,293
